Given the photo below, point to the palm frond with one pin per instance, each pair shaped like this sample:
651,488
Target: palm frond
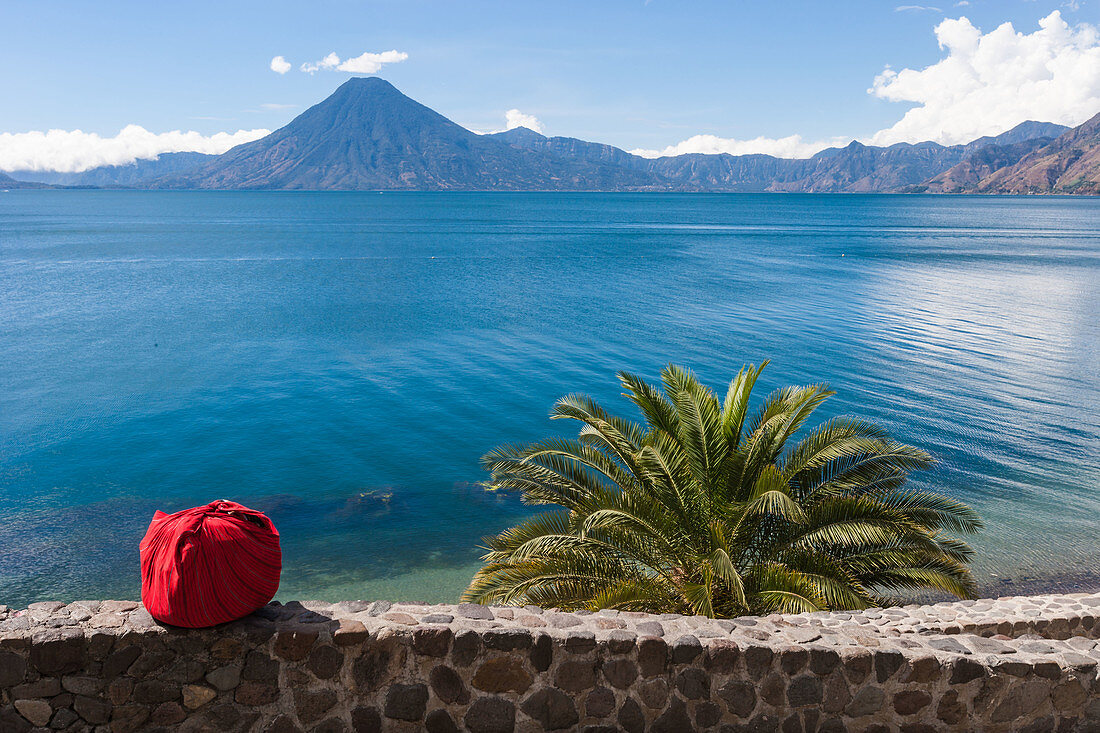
705,510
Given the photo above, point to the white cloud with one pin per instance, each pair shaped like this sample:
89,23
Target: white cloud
792,146
72,151
280,65
918,8
990,82
371,63
986,83
513,118
328,62
367,63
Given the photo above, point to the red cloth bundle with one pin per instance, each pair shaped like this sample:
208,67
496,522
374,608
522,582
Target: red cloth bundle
209,565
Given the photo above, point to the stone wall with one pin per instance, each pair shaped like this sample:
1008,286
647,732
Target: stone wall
1027,664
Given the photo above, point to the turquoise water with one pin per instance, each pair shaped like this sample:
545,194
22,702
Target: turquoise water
341,360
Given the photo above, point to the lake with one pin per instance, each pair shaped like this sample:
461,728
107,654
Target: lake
342,360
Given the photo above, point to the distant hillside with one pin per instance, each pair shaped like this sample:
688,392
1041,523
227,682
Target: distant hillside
856,168
134,174
7,182
570,148
1068,164
1022,132
369,136
861,168
722,172
965,176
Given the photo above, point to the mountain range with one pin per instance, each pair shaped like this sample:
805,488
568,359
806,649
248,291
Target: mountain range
369,136
7,182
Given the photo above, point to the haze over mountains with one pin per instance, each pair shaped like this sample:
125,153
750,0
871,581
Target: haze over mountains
369,136
7,181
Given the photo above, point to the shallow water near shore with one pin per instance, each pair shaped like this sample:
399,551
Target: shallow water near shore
342,360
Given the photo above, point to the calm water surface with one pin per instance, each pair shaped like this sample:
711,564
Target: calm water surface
341,360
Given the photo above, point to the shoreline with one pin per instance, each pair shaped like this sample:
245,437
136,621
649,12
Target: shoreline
1058,584
1065,584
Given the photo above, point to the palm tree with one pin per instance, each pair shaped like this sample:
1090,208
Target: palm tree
705,510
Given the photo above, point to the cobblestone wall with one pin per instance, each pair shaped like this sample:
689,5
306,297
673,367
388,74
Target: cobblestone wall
1027,664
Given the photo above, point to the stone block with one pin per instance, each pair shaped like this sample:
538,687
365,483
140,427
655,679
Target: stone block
910,702
792,659
62,718
167,714
620,673
92,709
37,712
255,694
887,662
432,641
490,715
55,653
366,719
294,645
722,657
1021,699
195,696
951,709
758,661
466,647
542,653
13,668
673,720
685,649
823,661
866,701
379,662
600,703
652,656
576,676
693,683
622,642
448,685
551,708
128,718
349,633
507,639
474,611
119,690
225,678
42,687
502,674
836,693
631,718
740,697
965,670
580,642
226,648
406,702
155,691
773,689
805,690
920,670
440,721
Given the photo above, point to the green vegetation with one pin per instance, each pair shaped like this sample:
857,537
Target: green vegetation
706,509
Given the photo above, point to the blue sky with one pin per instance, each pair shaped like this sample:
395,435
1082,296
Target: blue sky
640,75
